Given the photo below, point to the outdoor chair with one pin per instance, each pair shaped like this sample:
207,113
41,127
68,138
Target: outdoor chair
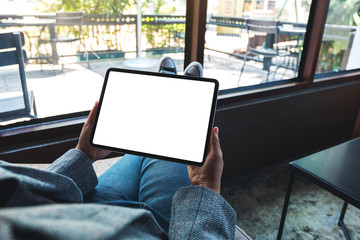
269,49
15,104
292,37
65,19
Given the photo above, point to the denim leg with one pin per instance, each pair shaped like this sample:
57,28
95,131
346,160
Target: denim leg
120,182
141,183
159,182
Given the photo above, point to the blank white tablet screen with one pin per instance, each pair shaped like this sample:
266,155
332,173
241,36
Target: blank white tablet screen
155,115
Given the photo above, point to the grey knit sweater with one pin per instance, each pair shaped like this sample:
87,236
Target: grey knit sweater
36,204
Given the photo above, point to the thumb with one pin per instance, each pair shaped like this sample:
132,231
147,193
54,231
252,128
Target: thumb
92,114
214,140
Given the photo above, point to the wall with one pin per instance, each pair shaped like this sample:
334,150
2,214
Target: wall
257,133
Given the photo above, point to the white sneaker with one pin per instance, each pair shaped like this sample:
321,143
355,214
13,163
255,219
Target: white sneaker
166,65
194,69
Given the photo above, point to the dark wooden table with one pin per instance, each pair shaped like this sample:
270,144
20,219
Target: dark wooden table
335,169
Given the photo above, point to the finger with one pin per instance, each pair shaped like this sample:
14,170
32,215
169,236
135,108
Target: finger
92,114
214,140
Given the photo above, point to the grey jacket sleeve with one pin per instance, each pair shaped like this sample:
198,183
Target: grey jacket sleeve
76,165
200,213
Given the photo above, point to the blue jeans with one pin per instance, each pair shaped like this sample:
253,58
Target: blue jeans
141,183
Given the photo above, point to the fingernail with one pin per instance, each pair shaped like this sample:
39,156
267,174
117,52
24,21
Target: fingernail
216,131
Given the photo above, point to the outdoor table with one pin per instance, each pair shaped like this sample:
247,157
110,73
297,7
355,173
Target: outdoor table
50,23
292,31
171,21
270,40
336,170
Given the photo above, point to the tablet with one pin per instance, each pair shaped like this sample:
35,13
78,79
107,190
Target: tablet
156,115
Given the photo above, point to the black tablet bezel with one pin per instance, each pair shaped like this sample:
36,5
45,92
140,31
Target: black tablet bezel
191,78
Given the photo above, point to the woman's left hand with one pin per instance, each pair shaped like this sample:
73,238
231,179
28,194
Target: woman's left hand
84,139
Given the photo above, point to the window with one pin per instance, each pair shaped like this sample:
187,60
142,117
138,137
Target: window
68,59
340,47
276,52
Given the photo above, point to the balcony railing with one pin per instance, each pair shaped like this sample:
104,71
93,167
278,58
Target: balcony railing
118,32
103,32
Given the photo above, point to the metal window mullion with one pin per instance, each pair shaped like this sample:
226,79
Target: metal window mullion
195,31
313,39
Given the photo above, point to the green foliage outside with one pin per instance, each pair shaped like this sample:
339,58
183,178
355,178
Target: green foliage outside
107,7
161,36
157,35
341,13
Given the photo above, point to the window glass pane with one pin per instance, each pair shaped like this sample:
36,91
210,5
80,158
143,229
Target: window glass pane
11,94
71,43
272,48
340,46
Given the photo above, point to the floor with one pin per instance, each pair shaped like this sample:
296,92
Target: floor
313,212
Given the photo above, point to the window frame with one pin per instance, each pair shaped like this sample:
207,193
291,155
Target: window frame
65,129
